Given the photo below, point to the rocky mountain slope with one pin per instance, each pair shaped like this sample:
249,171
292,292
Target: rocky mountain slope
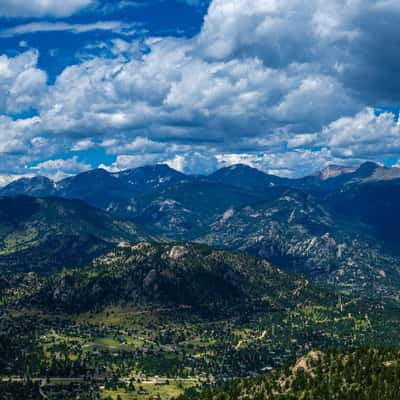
295,231
186,210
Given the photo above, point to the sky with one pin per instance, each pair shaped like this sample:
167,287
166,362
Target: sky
286,86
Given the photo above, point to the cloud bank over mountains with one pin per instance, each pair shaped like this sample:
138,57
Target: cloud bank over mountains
287,86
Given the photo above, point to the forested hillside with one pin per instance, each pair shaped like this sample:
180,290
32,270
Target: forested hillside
362,374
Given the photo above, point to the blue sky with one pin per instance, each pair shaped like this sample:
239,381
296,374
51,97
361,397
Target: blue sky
286,86
143,18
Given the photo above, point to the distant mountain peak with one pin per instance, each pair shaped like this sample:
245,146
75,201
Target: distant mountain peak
333,171
240,168
245,177
370,171
96,171
36,178
367,169
155,169
34,186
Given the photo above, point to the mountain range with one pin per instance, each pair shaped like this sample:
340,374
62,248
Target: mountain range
102,188
338,226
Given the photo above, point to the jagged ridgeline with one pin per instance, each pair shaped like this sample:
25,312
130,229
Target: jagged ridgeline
337,226
175,275
46,234
365,373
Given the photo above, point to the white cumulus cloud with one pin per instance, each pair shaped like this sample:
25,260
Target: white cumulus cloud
21,82
41,8
286,85
60,168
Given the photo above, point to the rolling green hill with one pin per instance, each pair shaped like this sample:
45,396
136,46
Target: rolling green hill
45,234
171,275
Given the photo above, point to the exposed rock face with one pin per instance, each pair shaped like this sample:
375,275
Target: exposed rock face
296,232
305,363
177,252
